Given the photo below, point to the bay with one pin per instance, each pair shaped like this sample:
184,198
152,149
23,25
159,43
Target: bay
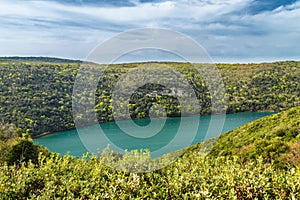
73,142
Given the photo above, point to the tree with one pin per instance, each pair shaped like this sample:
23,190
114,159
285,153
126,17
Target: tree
17,148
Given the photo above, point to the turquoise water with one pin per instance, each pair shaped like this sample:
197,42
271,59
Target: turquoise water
73,142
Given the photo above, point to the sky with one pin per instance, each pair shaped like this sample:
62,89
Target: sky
234,31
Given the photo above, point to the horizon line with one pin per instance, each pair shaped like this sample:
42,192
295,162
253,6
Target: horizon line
146,61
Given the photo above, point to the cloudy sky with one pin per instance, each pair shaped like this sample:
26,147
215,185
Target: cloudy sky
229,30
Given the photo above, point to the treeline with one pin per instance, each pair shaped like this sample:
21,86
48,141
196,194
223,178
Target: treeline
37,59
37,96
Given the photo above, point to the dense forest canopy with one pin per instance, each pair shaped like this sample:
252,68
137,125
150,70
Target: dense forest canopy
36,93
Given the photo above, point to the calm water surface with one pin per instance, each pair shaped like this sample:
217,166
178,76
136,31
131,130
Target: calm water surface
69,141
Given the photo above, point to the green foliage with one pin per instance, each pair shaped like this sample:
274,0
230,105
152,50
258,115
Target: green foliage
275,138
18,150
193,176
137,161
197,174
22,150
36,93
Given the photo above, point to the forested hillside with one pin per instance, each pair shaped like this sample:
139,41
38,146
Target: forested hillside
276,138
36,94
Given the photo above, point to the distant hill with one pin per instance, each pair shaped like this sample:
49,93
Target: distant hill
38,59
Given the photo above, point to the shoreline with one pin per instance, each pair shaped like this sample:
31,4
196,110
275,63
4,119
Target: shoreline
51,133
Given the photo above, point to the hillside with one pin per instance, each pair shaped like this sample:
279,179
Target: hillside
36,93
276,138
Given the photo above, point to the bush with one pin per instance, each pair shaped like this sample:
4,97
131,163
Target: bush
194,176
15,149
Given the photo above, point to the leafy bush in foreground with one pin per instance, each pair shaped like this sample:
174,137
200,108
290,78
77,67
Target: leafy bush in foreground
16,147
193,176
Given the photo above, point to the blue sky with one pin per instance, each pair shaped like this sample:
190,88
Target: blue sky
229,30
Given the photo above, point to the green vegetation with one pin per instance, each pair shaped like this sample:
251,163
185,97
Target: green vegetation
276,138
38,59
17,148
197,174
190,177
36,93
258,160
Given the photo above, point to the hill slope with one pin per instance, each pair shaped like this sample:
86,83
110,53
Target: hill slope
276,138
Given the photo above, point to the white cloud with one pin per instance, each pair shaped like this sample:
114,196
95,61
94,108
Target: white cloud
54,29
198,10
